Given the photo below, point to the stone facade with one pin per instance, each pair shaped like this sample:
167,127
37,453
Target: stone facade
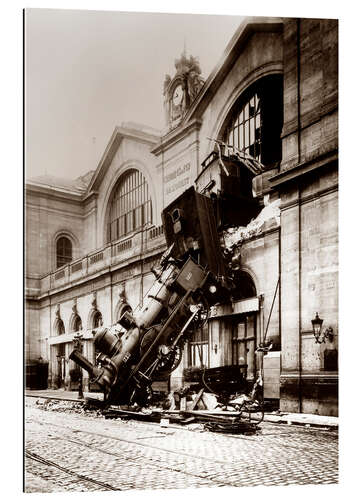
293,264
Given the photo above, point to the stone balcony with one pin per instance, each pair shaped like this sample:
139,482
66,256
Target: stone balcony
113,256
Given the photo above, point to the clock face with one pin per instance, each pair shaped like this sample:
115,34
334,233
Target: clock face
177,95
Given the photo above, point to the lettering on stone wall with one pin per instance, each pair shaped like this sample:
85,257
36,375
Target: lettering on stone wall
177,179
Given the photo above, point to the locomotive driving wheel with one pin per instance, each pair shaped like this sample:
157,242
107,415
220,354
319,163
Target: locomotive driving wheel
168,358
164,358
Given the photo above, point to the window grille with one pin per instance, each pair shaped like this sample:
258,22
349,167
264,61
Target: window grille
244,129
130,207
198,347
244,343
255,123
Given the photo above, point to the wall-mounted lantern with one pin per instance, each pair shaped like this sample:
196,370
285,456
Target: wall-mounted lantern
317,330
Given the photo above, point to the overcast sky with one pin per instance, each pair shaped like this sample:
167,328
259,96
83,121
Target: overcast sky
88,71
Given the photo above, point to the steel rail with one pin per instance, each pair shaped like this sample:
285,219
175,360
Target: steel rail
49,463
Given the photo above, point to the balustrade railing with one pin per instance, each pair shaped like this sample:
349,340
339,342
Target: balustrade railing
114,252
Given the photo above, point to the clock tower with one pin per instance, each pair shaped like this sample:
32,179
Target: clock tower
181,90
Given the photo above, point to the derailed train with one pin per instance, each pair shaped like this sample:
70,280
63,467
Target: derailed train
154,335
191,277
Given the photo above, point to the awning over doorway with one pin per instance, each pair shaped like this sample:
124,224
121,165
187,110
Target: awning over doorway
239,307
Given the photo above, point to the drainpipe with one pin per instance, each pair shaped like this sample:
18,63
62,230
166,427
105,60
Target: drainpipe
298,75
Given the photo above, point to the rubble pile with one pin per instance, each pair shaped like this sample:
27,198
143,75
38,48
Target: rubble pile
79,407
197,411
267,218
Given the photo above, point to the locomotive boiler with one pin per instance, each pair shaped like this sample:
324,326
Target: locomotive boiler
190,278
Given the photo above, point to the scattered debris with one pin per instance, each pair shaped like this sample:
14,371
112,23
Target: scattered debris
192,407
269,216
79,407
236,428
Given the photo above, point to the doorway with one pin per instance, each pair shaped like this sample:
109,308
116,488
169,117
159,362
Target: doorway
244,334
61,365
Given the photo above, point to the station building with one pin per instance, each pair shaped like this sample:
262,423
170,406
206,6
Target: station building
91,242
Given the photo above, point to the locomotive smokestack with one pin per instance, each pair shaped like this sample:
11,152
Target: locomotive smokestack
83,362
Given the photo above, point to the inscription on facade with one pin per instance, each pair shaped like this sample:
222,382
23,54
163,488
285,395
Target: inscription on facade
177,179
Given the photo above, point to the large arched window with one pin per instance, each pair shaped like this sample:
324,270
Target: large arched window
130,207
63,251
255,123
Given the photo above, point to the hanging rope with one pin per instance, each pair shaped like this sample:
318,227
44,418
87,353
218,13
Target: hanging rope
271,310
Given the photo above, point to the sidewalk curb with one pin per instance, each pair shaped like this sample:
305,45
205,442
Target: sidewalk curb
304,420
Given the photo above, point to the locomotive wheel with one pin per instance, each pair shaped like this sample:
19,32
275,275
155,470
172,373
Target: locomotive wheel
168,359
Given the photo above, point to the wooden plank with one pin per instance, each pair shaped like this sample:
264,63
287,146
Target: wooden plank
197,398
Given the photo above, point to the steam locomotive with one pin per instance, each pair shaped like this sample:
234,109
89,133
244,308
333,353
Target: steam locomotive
190,278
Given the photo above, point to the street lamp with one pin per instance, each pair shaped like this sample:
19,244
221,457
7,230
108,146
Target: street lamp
78,344
317,327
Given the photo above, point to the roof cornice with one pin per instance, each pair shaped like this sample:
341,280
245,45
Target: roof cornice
54,191
176,135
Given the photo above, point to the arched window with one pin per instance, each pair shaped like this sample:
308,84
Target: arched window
130,207
97,322
255,123
97,319
77,324
60,330
63,251
245,288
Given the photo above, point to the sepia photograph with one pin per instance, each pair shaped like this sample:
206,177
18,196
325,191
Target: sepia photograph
181,259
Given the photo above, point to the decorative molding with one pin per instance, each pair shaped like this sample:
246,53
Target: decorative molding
303,168
175,135
121,292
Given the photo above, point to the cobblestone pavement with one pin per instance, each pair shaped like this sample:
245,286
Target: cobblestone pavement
76,452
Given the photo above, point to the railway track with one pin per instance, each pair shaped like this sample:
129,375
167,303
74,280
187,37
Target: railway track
148,463
79,477
84,454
